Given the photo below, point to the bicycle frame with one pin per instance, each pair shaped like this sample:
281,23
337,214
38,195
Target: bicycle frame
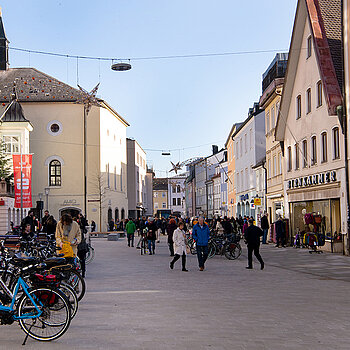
25,287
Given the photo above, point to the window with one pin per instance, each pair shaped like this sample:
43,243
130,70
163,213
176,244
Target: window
115,177
298,106
289,167
246,176
308,101
237,154
55,173
319,94
305,154
155,194
163,194
336,150
241,144
274,166
179,201
54,127
313,150
309,46
251,138
237,179
178,188
107,171
11,144
245,143
121,179
280,162
174,201
273,117
155,205
267,122
174,188
269,168
163,205
324,147
297,164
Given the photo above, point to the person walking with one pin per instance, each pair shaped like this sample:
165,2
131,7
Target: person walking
252,238
201,234
280,232
151,235
130,232
179,238
171,227
265,227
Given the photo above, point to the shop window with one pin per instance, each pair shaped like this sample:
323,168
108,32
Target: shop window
313,150
324,147
319,94
305,162
297,164
308,101
298,107
289,167
336,150
55,174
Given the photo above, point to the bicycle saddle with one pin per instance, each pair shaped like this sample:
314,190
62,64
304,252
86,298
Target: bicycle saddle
54,261
24,260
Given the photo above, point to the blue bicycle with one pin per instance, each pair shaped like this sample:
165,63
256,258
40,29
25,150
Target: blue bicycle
42,312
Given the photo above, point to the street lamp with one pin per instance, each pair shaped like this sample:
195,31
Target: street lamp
47,192
121,67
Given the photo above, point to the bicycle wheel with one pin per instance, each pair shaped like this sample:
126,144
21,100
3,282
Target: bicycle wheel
77,283
233,251
90,255
211,250
71,296
54,319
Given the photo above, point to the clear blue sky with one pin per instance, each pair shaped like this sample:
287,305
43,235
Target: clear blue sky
169,103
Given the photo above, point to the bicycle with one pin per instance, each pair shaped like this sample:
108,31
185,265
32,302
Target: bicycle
43,313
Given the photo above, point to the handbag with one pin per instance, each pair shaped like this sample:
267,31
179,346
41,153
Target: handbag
67,250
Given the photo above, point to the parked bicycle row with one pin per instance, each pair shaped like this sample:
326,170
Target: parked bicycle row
42,279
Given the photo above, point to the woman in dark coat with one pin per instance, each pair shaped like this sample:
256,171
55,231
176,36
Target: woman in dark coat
171,227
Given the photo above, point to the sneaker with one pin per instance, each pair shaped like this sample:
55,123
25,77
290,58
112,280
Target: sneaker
262,266
249,268
185,270
150,253
171,265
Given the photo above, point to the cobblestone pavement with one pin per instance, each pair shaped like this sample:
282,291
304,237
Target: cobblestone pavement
300,301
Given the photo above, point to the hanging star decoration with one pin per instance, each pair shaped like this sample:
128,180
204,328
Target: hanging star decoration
175,167
89,97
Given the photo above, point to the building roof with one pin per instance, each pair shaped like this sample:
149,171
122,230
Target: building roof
252,113
160,184
324,17
235,126
14,113
2,29
35,86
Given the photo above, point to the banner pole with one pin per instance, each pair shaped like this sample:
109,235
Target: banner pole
21,186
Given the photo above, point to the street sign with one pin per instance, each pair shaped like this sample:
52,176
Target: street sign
252,206
257,201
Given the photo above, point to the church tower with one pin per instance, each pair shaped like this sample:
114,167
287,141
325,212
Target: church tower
4,55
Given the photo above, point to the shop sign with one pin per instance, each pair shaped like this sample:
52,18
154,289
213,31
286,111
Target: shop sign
313,180
244,197
2,202
257,201
69,203
252,206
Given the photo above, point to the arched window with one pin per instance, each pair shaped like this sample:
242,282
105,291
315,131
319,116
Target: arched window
324,147
55,173
336,147
123,214
116,214
109,215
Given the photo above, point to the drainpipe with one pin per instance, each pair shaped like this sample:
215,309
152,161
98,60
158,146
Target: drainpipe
264,167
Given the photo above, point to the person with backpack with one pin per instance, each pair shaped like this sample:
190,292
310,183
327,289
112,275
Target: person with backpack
130,232
252,237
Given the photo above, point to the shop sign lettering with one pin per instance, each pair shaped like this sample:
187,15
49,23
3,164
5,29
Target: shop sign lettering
313,180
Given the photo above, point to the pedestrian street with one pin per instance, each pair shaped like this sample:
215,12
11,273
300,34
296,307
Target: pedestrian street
137,302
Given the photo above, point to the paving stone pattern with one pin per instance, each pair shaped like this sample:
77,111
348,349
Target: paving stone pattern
300,301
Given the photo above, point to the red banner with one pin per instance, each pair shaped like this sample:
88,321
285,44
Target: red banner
26,179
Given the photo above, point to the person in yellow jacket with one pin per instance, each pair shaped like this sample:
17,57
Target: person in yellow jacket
68,230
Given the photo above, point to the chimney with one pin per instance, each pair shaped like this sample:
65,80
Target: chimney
215,149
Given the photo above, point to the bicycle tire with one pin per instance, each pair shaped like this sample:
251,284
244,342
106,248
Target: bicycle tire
72,297
29,325
90,255
212,248
77,282
233,251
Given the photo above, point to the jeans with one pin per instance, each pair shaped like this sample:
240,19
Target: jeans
151,246
202,255
130,239
255,249
265,230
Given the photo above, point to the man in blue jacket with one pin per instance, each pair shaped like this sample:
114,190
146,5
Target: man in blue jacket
200,234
